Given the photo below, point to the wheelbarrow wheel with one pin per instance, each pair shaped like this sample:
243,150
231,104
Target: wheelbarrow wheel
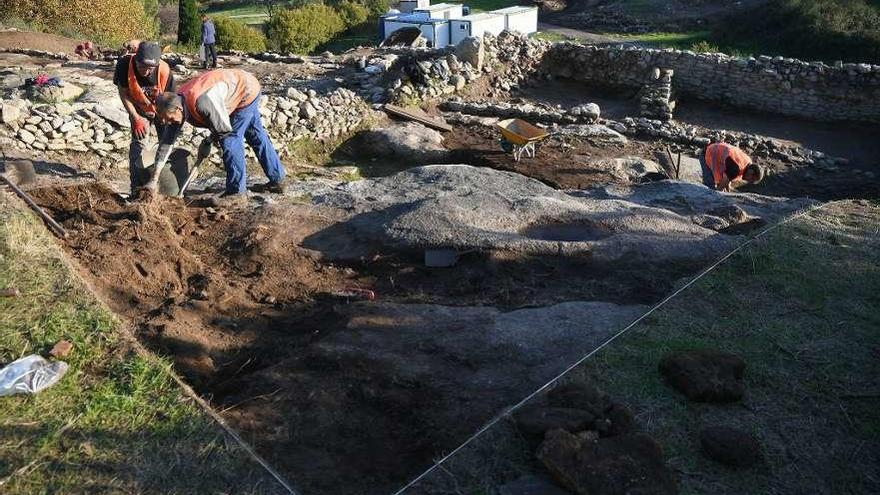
506,145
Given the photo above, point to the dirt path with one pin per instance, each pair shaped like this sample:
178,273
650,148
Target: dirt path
576,34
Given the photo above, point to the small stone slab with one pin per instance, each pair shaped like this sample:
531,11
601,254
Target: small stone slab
705,375
628,464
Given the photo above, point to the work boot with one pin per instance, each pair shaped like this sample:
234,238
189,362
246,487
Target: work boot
270,187
228,200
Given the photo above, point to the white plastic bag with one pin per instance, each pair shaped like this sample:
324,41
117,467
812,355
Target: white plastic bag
202,53
30,375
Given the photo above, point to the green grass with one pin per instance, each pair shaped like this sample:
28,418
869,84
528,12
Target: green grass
116,422
829,30
800,307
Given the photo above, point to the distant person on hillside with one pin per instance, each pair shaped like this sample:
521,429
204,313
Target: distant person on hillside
724,163
209,39
140,78
227,102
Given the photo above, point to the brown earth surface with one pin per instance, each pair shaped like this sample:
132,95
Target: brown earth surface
38,41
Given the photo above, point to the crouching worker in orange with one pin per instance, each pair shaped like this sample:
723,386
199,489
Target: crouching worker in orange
140,78
227,102
723,163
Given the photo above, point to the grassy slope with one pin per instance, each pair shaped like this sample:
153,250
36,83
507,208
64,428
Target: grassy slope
829,30
803,318
846,30
116,423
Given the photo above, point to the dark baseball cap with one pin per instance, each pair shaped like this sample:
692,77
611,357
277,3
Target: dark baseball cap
148,53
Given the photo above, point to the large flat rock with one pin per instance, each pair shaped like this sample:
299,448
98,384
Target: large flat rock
470,208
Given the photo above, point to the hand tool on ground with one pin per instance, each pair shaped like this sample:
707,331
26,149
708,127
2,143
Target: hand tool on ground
675,166
25,168
520,136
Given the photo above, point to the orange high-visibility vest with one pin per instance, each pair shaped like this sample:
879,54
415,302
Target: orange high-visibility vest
146,104
716,159
243,90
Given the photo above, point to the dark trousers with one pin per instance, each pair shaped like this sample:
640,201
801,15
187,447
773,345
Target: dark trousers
139,173
210,54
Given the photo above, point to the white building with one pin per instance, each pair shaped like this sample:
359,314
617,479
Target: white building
521,19
475,25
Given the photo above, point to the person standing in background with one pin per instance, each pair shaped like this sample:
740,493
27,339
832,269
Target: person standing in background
209,39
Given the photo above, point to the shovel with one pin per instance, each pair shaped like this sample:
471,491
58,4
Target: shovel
201,156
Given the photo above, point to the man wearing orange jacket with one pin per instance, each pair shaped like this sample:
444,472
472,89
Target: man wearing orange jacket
140,78
227,102
723,163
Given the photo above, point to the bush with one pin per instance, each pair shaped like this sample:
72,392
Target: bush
233,35
704,47
302,29
377,7
101,21
189,27
352,14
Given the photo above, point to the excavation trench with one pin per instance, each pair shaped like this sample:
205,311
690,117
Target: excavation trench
342,396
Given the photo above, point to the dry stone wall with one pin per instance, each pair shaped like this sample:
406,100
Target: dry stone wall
103,130
813,90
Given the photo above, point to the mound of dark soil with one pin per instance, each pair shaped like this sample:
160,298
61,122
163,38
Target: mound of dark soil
704,375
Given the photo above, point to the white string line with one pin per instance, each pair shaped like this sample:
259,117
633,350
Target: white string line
614,337
189,392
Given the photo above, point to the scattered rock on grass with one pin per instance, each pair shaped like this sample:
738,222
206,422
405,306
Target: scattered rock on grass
539,419
730,446
588,465
705,375
580,396
61,349
617,420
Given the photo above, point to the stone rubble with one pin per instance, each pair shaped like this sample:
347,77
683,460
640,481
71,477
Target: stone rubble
103,128
655,96
585,114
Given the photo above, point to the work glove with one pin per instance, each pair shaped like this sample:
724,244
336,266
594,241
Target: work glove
204,151
139,127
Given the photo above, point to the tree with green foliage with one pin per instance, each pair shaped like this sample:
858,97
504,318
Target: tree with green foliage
352,13
189,27
151,11
302,29
377,7
233,35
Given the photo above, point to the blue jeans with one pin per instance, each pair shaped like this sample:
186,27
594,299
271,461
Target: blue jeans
246,126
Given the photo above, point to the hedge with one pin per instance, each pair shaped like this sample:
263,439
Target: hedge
302,29
233,35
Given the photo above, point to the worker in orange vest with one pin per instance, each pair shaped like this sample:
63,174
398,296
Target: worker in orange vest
140,78
227,102
723,164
